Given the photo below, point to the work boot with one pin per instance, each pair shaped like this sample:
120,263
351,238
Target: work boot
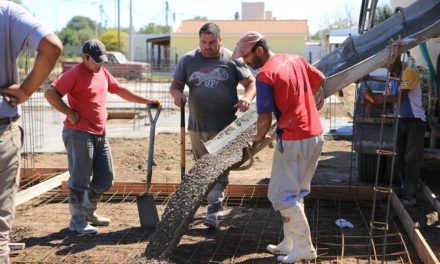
78,221
91,199
285,246
211,221
299,233
215,207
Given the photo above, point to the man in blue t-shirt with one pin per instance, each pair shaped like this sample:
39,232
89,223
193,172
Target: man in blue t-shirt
19,30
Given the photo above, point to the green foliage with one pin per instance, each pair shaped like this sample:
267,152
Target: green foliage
80,22
200,18
152,28
320,34
78,30
69,37
383,13
110,40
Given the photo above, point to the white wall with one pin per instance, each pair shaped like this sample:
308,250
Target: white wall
252,11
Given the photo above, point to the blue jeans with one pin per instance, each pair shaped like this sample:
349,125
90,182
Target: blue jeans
89,160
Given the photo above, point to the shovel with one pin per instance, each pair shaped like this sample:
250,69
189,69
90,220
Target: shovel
148,215
182,139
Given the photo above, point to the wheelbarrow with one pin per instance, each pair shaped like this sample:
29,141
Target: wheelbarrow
148,215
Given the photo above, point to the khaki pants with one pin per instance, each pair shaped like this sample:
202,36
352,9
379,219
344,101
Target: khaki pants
10,150
293,170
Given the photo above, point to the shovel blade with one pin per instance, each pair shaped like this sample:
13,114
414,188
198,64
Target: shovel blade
148,216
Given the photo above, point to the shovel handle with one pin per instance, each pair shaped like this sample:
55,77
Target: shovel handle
182,139
151,146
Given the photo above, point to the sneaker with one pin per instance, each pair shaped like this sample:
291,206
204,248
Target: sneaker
408,201
211,221
220,215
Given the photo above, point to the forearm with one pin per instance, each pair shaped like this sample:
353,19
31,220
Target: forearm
318,86
264,122
54,99
49,50
249,88
176,89
130,96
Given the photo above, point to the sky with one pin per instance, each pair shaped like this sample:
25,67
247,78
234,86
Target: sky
57,13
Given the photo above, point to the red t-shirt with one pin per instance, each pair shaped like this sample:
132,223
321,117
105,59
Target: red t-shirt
284,86
87,95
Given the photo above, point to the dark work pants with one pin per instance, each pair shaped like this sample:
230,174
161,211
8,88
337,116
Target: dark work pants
409,147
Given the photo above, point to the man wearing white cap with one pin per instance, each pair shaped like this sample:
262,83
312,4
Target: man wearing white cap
286,86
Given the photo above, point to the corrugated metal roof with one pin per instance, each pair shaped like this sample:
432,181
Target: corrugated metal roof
238,27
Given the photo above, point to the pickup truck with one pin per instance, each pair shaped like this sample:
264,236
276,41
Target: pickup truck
118,66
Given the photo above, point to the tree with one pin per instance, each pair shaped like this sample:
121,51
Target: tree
237,16
200,18
81,22
347,20
69,36
383,13
152,28
78,30
110,40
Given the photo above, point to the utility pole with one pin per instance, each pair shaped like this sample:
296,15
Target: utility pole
119,25
131,30
100,15
166,13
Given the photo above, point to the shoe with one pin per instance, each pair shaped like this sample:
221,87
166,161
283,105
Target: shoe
97,220
87,229
408,201
220,215
211,221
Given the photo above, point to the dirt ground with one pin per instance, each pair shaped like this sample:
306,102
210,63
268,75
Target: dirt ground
130,161
51,242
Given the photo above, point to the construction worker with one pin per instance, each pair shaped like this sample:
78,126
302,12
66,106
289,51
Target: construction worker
212,78
19,29
286,85
89,156
411,127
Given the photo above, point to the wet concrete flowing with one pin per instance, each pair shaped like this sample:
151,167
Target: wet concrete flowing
186,200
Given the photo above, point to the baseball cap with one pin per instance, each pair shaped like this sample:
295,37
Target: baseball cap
96,50
246,43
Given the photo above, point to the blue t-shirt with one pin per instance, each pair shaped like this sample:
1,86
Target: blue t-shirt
19,30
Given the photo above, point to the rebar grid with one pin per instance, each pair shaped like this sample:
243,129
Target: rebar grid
249,225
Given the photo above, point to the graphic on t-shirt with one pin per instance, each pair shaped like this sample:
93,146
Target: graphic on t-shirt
209,79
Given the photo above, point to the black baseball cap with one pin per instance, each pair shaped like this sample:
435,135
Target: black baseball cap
96,50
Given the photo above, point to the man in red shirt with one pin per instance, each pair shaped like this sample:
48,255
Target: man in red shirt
89,156
286,86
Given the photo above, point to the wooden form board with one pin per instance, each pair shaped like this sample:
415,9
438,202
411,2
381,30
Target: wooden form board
249,191
40,188
423,250
40,173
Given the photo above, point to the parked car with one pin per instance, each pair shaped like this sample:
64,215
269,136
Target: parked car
119,66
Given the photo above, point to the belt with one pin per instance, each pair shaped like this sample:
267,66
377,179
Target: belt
7,120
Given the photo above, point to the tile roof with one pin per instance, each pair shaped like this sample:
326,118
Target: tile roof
238,27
